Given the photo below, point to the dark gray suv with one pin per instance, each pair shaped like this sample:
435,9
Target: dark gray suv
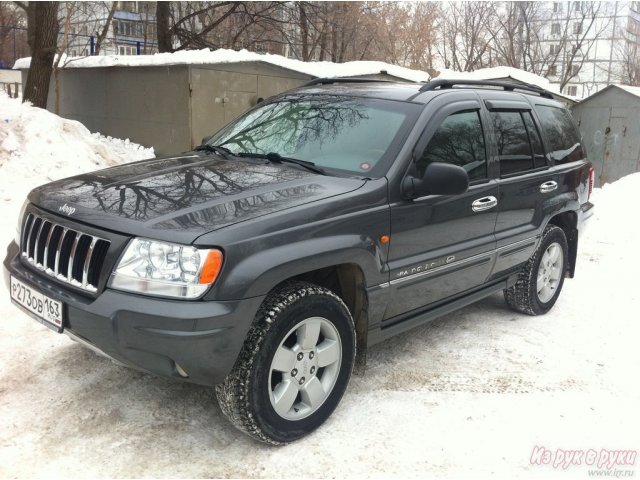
321,222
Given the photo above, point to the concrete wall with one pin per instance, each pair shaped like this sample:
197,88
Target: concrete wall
11,82
611,133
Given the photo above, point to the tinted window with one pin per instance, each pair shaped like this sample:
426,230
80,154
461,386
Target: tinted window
539,159
513,142
458,140
561,133
511,135
344,133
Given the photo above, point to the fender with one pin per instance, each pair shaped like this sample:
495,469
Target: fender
256,274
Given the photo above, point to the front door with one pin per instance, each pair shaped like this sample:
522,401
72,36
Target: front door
444,245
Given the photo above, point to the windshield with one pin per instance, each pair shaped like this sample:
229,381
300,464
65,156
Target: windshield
344,133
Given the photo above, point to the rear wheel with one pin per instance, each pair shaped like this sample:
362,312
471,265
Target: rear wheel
294,367
540,280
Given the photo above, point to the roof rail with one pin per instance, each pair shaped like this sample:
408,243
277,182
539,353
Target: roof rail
445,83
329,81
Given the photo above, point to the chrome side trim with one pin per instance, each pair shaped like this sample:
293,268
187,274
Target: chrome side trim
488,254
510,245
443,267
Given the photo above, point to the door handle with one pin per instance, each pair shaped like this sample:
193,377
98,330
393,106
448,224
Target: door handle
547,187
484,203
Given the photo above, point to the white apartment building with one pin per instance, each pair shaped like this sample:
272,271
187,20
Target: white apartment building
587,45
132,30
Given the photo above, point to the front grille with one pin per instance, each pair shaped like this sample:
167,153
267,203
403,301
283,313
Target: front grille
68,255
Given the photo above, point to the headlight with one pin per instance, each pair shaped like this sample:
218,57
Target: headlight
166,269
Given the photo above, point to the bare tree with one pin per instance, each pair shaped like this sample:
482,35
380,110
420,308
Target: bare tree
576,43
466,36
105,26
13,37
42,21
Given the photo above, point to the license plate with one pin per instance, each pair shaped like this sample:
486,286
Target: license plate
44,309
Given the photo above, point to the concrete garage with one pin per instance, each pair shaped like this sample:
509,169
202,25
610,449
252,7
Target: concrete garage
610,128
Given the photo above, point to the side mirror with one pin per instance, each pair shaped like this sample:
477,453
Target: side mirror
439,179
206,139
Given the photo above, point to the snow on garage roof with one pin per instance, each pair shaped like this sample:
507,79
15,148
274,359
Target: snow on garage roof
209,57
627,88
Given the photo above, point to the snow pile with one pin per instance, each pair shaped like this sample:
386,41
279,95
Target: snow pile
209,57
37,146
612,216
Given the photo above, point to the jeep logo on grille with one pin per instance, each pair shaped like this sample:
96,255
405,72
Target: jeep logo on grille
66,209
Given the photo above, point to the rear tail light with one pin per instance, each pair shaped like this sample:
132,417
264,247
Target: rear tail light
592,180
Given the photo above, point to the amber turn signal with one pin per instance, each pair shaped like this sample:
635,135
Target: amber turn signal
384,239
212,267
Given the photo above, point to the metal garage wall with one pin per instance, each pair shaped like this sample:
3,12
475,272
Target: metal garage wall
148,105
221,93
610,127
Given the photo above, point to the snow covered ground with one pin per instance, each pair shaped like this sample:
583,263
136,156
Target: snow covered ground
471,394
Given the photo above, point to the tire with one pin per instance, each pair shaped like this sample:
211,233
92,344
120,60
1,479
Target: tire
256,393
548,264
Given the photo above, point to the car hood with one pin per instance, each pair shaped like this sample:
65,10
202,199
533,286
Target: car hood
182,197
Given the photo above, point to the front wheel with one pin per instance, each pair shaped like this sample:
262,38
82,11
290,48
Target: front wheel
294,366
540,280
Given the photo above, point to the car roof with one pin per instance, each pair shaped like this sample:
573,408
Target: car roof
401,91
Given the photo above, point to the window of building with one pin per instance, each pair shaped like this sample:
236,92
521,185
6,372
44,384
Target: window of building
575,69
561,132
84,30
576,6
557,7
571,90
553,49
514,147
555,29
127,50
458,140
577,28
553,70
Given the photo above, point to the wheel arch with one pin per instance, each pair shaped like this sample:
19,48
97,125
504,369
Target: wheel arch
568,222
347,280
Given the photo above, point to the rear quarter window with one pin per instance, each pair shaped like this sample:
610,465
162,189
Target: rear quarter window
561,133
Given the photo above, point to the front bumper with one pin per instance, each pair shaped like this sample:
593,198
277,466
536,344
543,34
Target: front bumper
151,334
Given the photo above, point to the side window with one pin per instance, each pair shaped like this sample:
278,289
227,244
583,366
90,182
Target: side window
458,140
512,141
561,133
539,159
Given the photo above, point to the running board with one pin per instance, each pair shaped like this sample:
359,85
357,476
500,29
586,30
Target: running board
387,331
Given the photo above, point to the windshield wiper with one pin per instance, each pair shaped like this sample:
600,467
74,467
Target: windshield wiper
274,157
223,151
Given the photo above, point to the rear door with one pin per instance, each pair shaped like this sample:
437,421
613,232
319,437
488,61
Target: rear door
526,181
444,245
